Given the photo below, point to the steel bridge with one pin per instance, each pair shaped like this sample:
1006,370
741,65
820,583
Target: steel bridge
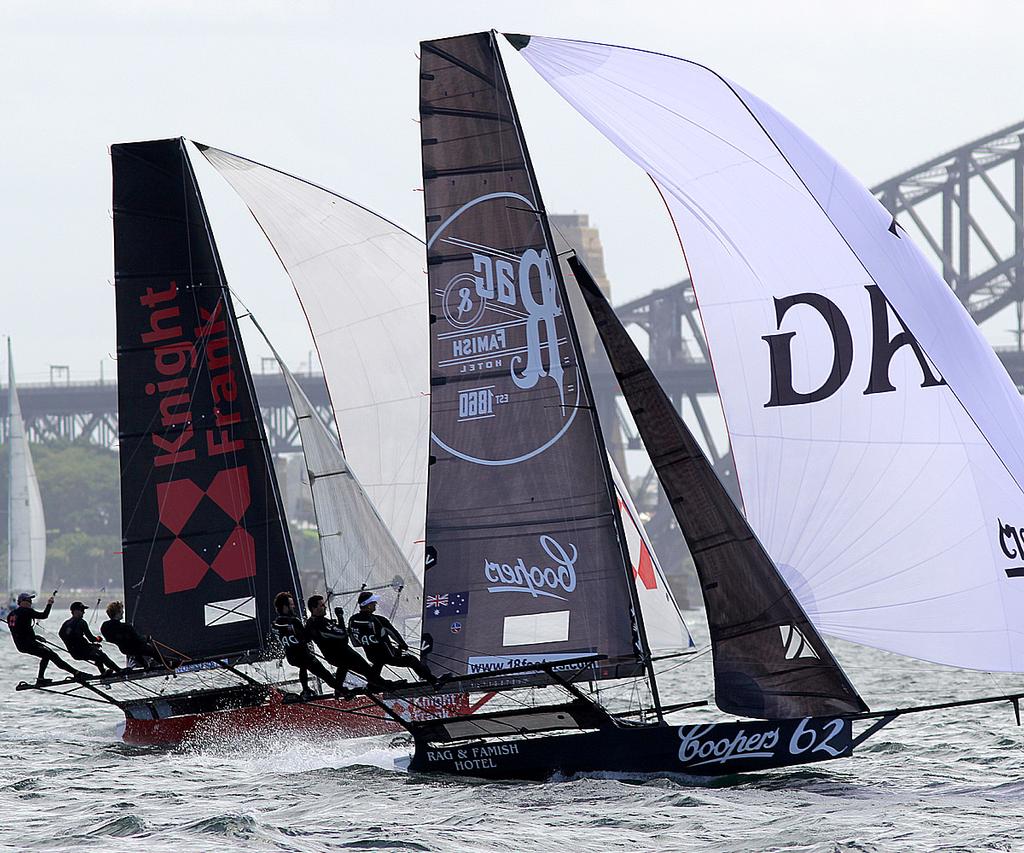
87,411
965,208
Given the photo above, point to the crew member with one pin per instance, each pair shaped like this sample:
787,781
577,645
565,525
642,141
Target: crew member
293,636
332,639
140,651
383,645
20,622
82,644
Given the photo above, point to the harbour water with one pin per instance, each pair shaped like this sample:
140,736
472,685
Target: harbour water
951,780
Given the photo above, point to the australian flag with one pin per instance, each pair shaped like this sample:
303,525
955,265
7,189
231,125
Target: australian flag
447,604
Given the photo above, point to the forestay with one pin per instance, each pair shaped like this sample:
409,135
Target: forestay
361,283
877,438
26,532
525,561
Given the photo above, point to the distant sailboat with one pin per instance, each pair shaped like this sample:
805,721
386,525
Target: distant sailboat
26,525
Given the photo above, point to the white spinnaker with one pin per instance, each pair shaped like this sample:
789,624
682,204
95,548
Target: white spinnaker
665,628
882,510
356,547
361,283
26,548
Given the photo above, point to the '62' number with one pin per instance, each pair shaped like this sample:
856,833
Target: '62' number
805,738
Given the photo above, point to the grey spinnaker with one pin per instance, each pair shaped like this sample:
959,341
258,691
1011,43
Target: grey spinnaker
360,280
356,547
525,555
769,660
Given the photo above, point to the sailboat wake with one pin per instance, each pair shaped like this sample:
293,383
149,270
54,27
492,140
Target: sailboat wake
261,752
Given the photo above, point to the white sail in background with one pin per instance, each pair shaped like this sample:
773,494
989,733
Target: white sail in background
360,280
26,532
890,500
666,630
356,547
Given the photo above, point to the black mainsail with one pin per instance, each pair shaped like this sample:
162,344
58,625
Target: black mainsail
205,542
769,660
526,558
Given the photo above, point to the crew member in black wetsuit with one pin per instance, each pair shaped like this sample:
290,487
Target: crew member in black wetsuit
293,636
332,639
20,622
139,650
383,645
81,642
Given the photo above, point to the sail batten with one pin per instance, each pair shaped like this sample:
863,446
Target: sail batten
875,433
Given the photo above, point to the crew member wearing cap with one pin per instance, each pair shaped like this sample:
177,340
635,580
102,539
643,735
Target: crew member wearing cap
383,645
292,634
82,644
20,622
139,650
332,639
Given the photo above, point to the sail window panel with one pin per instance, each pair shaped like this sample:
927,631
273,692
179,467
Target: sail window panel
532,628
666,630
233,610
882,493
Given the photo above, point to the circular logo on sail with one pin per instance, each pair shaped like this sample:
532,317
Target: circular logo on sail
505,376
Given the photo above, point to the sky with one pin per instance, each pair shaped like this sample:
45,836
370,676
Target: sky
328,91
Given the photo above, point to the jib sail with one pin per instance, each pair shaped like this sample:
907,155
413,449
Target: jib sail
769,660
205,542
525,557
356,547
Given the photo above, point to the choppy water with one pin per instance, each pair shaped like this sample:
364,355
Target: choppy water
948,781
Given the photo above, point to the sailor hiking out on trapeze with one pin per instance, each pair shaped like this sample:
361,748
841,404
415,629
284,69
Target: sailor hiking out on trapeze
20,622
82,644
295,639
332,638
140,651
381,642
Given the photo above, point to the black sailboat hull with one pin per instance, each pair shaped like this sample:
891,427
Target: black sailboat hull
713,749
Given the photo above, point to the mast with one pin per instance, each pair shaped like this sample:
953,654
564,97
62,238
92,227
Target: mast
627,565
